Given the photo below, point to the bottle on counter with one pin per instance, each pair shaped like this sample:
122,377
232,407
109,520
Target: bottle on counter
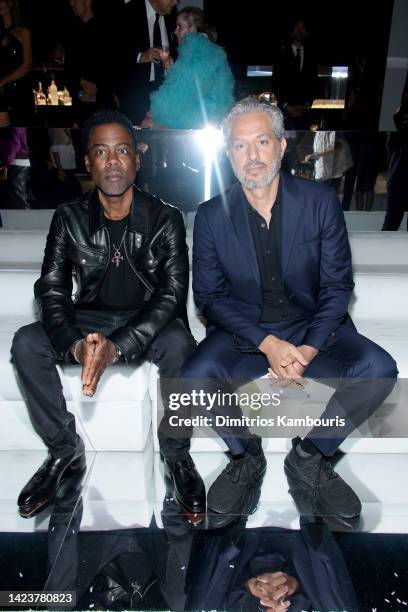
41,97
53,92
66,98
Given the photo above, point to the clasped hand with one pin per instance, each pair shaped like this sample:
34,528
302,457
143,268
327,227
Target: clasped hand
287,362
273,590
95,353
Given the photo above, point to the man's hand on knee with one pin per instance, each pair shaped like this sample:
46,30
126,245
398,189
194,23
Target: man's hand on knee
104,353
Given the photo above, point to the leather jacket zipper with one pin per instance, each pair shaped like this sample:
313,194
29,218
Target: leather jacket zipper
140,276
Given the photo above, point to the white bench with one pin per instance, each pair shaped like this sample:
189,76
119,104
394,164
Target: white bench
118,418
375,251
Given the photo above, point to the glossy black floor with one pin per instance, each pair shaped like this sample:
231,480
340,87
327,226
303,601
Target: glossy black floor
181,568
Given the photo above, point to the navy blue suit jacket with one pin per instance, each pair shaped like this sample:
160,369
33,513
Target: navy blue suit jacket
316,261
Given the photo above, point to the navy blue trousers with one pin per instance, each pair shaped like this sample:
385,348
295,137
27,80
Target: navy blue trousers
363,374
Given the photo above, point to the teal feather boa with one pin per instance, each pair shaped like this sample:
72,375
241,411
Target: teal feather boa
198,88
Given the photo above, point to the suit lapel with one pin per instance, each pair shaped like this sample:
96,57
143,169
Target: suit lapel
292,212
237,210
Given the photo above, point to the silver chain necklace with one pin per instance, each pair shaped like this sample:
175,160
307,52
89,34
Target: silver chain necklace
117,256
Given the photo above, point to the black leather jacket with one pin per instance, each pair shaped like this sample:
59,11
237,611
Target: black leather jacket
78,242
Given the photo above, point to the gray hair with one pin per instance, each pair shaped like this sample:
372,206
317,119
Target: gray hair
251,104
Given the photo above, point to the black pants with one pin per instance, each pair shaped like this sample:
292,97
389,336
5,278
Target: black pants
35,360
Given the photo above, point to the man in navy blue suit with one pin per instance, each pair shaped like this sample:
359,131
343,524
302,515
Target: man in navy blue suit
272,276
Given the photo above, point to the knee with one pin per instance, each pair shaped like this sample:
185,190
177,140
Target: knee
380,365
182,346
386,367
23,342
199,367
175,346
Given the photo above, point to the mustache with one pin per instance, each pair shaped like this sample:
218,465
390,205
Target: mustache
114,173
254,162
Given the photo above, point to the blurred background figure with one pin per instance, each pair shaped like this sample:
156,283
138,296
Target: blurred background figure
397,181
63,162
16,99
294,80
144,30
366,144
199,86
88,65
16,169
331,156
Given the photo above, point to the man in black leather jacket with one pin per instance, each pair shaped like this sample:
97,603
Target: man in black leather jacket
129,253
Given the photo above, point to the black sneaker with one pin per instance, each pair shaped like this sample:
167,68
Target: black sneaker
237,489
318,490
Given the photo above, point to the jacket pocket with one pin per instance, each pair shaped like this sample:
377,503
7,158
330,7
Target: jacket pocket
84,257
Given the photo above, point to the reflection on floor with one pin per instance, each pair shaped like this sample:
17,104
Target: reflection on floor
117,540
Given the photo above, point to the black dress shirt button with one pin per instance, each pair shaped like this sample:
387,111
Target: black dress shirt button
268,252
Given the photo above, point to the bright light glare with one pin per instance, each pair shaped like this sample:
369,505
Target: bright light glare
209,140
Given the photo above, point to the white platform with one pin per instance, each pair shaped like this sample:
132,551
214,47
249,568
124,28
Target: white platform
122,490
119,417
369,248
384,499
117,490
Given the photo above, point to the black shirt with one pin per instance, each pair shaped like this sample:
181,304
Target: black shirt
268,247
121,289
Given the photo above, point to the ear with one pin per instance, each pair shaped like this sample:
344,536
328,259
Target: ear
138,162
87,163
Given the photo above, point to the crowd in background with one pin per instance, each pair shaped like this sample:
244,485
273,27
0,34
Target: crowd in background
166,68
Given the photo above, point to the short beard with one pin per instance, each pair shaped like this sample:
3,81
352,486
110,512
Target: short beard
252,184
114,191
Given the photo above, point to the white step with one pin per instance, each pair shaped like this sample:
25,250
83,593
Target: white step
35,219
384,498
117,491
40,219
356,221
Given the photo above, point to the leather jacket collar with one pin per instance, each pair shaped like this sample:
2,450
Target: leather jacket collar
139,217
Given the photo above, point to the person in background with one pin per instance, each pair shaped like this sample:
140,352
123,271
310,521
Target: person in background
332,157
367,145
14,156
145,28
294,80
87,64
62,157
15,63
397,181
199,86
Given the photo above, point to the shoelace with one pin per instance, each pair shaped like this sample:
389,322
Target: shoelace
331,474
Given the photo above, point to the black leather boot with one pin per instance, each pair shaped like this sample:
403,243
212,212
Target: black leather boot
40,490
187,486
